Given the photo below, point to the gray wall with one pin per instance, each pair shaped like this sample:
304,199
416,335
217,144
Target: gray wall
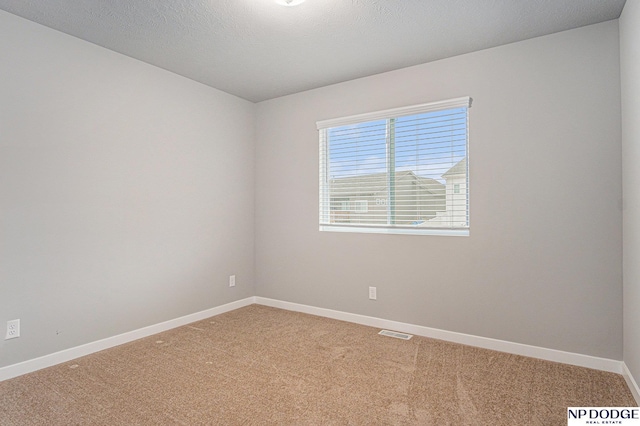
630,68
126,192
542,265
127,196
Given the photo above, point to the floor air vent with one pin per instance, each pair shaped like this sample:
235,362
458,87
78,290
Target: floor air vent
403,336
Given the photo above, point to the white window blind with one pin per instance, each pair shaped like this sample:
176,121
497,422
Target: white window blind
403,170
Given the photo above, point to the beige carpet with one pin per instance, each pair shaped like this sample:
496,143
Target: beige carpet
259,365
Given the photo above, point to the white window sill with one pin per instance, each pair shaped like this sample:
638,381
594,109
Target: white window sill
400,231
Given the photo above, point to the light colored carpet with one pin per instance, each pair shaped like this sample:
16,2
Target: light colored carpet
259,365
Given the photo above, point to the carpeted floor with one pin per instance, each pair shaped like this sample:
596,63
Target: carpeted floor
259,365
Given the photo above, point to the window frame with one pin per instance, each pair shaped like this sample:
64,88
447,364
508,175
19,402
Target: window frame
389,115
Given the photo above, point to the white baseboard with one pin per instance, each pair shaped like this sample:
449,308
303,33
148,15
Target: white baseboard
603,364
633,385
31,365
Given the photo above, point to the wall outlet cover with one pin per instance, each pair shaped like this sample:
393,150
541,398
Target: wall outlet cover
373,293
13,329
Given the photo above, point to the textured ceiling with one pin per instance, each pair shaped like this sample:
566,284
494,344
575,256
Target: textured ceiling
258,50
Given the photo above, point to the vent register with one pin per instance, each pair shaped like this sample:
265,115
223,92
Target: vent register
395,334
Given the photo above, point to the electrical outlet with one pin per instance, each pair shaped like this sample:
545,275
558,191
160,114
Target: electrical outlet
373,293
13,329
232,280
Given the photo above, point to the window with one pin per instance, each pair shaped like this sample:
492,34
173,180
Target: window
403,170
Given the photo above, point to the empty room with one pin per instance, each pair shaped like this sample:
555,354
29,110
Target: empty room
416,212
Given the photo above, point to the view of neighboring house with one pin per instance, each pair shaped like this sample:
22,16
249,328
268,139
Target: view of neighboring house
420,201
455,214
364,199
